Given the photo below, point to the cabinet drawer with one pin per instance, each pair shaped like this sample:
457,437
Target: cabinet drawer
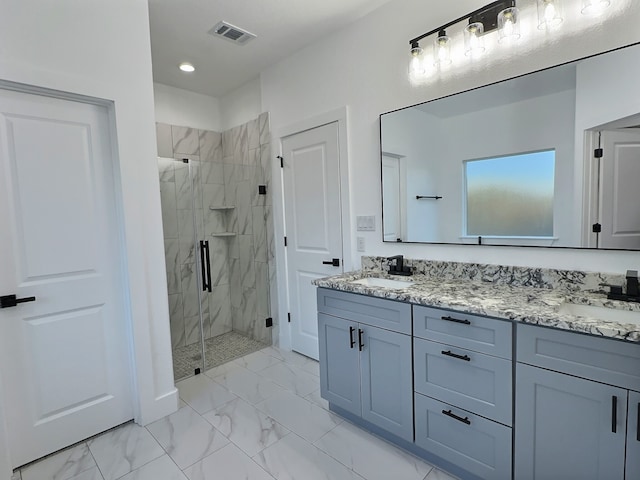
476,382
474,332
476,444
600,359
387,314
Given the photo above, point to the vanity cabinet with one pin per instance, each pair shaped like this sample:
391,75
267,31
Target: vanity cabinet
365,368
576,415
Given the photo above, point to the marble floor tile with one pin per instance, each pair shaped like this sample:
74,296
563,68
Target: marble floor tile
91,474
314,397
370,456
187,437
223,370
228,463
62,465
246,426
16,475
292,378
299,415
257,361
293,459
203,394
436,474
249,386
124,449
161,468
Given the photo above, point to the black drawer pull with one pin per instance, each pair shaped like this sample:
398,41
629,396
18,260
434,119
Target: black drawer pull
456,320
351,340
614,414
449,353
360,344
638,426
449,413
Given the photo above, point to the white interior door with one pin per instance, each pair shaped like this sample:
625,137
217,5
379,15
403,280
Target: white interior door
391,200
619,184
313,225
64,358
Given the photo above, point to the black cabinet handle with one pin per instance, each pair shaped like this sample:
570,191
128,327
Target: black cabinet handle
638,426
449,353
360,344
335,262
7,301
449,413
205,263
456,320
351,340
614,414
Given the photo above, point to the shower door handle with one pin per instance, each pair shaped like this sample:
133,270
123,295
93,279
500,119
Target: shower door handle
206,265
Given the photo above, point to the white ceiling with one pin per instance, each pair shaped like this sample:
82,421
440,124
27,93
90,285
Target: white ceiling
179,33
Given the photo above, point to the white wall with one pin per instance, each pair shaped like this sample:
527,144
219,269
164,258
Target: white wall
241,105
176,106
102,49
364,67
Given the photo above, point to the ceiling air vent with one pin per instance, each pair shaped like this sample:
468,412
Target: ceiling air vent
231,33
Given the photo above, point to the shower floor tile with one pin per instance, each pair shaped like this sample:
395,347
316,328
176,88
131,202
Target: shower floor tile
218,350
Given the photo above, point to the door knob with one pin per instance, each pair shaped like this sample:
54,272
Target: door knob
7,301
335,262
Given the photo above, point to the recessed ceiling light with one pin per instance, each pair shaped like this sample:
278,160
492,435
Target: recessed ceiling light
187,67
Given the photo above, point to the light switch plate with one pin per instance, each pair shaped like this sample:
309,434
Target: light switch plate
366,223
361,244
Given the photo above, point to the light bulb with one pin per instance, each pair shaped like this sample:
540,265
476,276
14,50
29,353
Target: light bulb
442,49
508,25
549,14
594,7
416,64
186,67
474,42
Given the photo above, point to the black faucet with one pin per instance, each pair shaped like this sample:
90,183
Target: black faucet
399,268
632,283
631,293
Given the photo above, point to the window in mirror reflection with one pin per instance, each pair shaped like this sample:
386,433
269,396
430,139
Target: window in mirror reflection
510,196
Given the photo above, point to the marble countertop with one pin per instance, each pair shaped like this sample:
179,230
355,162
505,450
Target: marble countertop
521,304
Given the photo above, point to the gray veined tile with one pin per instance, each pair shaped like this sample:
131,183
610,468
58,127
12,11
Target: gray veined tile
314,397
124,449
169,209
62,465
293,459
210,146
249,386
192,330
91,474
248,312
172,262
292,378
246,426
166,169
176,320
164,140
16,475
227,143
436,474
370,456
220,306
257,361
299,415
212,173
185,140
187,437
228,463
223,370
213,195
161,468
203,394
253,133
265,130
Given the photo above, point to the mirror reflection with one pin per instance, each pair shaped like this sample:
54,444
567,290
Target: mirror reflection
547,159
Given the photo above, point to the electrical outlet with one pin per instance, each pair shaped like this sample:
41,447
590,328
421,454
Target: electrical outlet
361,247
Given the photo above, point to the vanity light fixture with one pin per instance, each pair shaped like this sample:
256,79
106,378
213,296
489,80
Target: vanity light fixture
416,65
186,67
509,25
474,40
549,14
442,49
594,7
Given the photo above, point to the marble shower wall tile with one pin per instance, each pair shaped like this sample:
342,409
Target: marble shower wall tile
220,310
169,209
259,221
253,133
185,140
265,130
166,169
212,173
210,146
172,261
164,140
176,319
566,280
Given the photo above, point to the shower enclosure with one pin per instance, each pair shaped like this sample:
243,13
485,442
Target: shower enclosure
215,222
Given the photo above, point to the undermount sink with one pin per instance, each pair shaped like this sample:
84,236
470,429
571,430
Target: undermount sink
383,282
601,313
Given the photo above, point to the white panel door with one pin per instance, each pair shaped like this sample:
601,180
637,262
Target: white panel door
64,357
313,225
620,181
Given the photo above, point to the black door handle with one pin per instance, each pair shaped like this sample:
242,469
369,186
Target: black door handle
335,262
456,320
7,301
360,344
638,426
449,413
449,353
205,265
351,340
614,414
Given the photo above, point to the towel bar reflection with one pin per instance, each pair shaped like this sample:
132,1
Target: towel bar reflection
432,197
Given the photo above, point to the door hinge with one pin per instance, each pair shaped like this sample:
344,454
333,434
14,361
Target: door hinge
598,153
289,317
596,228
281,161
268,322
285,241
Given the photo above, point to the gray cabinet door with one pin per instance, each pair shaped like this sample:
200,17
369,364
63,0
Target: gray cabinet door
339,362
386,381
564,427
633,437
